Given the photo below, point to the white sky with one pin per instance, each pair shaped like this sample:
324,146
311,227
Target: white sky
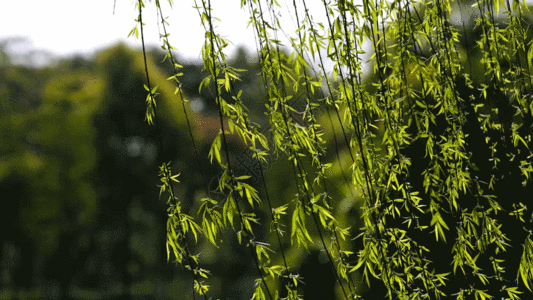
66,27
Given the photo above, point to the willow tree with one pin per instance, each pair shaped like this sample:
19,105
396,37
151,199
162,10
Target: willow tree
428,111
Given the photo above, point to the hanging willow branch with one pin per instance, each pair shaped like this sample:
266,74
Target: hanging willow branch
436,99
179,224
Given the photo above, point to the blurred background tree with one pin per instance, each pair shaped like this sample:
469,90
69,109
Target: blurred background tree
78,170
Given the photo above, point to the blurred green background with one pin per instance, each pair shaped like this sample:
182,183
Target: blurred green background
81,216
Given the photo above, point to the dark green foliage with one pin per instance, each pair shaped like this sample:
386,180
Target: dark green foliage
81,218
